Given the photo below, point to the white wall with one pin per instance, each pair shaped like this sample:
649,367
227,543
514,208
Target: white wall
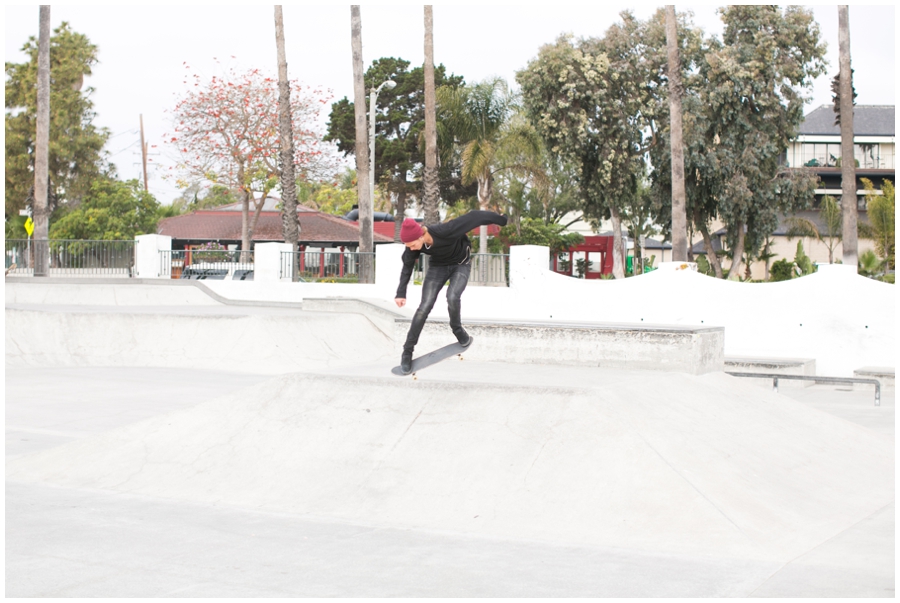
841,319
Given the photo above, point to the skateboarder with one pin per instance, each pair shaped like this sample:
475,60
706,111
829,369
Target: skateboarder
451,254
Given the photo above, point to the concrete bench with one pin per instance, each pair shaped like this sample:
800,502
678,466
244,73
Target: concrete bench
685,349
777,366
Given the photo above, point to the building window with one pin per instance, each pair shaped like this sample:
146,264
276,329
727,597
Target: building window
868,156
819,154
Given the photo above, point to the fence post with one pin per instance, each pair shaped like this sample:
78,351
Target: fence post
146,256
388,264
267,261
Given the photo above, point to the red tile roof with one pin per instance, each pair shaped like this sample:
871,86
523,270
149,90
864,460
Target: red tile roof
217,225
387,229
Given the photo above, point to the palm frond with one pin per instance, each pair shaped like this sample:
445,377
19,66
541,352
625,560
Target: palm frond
801,227
476,159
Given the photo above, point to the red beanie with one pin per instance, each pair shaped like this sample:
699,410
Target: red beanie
410,230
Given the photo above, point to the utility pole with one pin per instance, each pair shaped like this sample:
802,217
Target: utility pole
42,150
144,153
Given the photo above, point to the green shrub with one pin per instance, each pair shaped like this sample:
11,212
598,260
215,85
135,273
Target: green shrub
782,270
802,260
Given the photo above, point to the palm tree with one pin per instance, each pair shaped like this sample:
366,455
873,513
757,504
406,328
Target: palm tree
482,120
430,192
848,167
290,225
679,215
833,222
869,263
366,233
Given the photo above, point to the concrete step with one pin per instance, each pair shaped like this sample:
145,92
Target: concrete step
692,350
884,374
777,366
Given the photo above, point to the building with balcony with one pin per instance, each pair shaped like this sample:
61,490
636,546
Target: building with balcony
818,147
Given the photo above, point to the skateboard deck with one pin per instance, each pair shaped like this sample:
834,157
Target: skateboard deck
448,351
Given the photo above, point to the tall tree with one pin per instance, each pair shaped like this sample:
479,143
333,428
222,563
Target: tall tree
591,101
849,241
290,223
111,211
41,152
366,235
75,150
700,204
679,216
400,118
478,118
755,102
226,132
431,192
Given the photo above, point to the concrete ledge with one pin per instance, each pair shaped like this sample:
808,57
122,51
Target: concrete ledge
779,366
379,313
626,346
884,374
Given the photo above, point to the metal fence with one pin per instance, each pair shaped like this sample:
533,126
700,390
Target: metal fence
325,266
206,264
72,257
488,270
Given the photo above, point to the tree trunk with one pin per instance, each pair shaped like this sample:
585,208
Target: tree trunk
256,211
679,216
737,255
485,192
401,210
366,234
431,197
848,164
290,224
42,149
245,220
618,256
690,242
707,243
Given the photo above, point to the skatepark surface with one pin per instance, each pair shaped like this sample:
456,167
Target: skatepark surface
201,449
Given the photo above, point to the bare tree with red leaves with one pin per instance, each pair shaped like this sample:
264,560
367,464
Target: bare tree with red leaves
226,132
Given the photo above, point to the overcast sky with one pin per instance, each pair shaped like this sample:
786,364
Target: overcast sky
142,51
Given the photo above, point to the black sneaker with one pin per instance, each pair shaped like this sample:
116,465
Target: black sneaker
406,363
466,340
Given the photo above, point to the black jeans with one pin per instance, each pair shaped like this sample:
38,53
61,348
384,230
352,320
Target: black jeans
458,275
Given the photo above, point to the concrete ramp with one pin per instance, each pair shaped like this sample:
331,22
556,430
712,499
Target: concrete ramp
673,463
247,340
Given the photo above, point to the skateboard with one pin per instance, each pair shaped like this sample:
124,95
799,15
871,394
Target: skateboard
448,351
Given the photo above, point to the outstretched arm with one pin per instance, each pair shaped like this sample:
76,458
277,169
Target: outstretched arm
463,224
409,261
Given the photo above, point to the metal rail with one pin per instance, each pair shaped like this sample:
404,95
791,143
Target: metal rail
820,379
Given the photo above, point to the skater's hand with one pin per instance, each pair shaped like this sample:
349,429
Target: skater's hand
400,301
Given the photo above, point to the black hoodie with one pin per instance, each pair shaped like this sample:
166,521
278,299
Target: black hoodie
451,246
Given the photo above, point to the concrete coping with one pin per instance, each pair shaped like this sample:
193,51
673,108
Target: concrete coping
875,371
766,362
581,326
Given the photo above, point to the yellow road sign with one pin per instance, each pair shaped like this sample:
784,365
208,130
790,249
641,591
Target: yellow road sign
29,226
